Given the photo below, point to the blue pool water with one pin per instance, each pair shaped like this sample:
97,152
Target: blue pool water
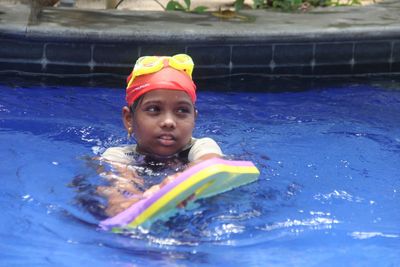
328,192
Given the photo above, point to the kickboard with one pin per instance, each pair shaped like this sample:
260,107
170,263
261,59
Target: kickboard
206,179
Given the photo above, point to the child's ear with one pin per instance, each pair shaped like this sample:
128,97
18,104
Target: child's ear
127,118
196,113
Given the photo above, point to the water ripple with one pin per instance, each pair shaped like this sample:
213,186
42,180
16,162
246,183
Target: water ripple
367,235
316,223
337,194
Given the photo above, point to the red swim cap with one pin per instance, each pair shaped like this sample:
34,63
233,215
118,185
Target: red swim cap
167,78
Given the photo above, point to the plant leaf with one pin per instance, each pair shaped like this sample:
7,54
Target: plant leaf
199,9
258,4
174,5
238,5
187,2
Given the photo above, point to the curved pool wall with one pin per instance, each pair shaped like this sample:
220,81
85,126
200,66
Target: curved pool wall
341,41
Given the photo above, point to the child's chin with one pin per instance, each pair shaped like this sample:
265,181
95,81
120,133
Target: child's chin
165,154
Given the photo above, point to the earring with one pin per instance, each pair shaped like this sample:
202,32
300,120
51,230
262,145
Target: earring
130,130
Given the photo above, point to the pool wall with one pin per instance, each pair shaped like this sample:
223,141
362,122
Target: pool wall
345,41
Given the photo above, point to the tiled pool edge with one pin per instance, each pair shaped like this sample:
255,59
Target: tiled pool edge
52,48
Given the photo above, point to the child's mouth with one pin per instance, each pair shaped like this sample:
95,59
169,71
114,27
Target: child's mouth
166,140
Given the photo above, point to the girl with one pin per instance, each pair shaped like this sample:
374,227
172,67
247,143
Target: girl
160,114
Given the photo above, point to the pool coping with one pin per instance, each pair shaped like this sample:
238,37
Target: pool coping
342,41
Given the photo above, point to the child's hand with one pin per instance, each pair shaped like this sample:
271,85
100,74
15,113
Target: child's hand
117,201
149,192
124,172
118,205
169,179
157,187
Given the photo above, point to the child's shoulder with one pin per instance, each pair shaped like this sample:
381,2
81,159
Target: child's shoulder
203,142
203,146
121,154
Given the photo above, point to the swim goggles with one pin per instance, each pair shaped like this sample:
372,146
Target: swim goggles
151,64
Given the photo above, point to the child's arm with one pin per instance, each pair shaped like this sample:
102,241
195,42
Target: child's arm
204,157
122,194
203,149
123,190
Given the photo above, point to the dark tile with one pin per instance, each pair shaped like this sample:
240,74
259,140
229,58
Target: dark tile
292,70
20,50
210,72
210,55
251,55
396,52
396,67
68,52
161,50
251,70
373,67
214,84
269,83
30,67
333,53
334,69
293,54
115,54
288,84
372,52
246,82
66,69
112,70
396,57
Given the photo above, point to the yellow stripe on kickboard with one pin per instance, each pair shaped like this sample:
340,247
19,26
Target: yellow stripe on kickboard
177,193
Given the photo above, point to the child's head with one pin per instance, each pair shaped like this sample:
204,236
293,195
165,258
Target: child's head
160,112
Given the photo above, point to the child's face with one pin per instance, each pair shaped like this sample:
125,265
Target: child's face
163,122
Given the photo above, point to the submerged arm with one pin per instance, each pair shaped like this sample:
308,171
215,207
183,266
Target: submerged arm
123,190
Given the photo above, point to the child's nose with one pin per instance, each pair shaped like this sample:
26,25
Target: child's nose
168,121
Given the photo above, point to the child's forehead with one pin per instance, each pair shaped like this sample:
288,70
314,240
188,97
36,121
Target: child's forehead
166,95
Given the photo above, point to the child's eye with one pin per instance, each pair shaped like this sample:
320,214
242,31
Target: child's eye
183,110
153,109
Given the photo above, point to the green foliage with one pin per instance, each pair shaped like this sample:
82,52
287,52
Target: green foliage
287,5
238,4
257,4
320,2
348,3
284,5
176,5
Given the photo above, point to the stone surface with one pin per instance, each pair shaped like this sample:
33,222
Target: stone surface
376,20
326,41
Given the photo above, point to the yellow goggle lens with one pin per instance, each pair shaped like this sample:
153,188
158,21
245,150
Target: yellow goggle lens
151,64
182,62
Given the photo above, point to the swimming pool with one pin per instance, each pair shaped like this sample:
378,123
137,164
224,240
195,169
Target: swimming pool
328,192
